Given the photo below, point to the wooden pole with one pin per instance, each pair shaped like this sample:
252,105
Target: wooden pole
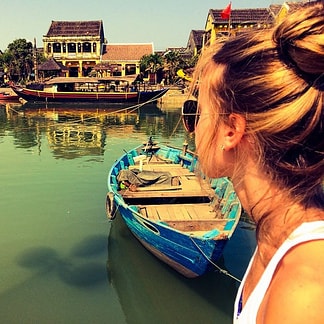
35,60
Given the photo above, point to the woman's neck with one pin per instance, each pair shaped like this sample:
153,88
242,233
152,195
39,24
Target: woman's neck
267,205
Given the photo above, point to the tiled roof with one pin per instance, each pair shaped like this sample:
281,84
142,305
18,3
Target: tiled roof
51,65
75,28
127,52
197,36
274,9
238,16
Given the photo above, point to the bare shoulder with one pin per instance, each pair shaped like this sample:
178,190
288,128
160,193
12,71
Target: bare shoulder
296,292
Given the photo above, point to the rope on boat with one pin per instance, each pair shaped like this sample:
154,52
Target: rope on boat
130,110
221,270
176,126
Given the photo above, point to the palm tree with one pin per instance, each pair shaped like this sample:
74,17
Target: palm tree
151,63
172,62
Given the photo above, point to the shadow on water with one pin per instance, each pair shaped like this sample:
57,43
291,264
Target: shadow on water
79,268
150,291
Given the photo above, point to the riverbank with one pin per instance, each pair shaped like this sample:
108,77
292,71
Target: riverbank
174,97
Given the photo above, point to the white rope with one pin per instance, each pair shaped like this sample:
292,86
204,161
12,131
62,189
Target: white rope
225,272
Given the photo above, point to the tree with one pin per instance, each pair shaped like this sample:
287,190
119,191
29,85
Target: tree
172,62
17,60
151,63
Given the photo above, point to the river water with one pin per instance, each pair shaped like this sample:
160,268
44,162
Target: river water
62,261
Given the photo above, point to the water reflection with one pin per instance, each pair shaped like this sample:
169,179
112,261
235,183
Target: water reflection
80,130
149,290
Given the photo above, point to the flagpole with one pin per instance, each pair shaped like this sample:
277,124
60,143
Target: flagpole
226,14
229,19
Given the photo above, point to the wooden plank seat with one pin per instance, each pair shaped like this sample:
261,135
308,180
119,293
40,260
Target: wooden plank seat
168,192
187,212
195,226
187,218
180,212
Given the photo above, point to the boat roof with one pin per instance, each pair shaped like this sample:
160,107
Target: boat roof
87,80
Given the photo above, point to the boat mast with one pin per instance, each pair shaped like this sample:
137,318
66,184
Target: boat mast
35,60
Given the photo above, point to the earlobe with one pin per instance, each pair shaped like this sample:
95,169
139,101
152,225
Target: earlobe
234,131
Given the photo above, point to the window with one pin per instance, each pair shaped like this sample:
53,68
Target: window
130,69
56,48
86,47
71,48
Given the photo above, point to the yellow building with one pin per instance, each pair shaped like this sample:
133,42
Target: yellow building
78,45
195,42
123,59
288,7
81,47
240,20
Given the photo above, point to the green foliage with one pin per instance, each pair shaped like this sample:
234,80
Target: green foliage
17,60
152,62
170,63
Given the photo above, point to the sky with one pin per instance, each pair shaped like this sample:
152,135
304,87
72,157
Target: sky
165,23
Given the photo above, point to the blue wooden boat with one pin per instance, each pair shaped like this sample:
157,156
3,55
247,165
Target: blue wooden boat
183,218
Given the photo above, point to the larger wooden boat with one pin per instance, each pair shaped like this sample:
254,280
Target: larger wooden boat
88,89
182,218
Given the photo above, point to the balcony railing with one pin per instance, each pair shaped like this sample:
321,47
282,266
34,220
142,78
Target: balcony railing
80,56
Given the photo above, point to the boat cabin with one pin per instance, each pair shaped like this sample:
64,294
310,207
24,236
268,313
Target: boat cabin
89,85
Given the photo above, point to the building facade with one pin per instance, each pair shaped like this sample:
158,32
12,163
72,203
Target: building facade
196,41
81,47
78,45
123,59
240,20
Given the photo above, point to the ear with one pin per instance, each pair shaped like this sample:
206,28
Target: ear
233,131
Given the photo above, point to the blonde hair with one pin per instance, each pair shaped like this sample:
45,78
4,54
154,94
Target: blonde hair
275,79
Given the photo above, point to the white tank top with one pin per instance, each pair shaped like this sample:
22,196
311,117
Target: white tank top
248,314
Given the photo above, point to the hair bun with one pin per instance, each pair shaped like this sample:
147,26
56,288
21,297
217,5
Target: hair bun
300,43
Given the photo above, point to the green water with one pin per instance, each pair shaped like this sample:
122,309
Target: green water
61,260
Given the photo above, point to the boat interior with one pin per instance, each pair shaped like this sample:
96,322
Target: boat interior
192,204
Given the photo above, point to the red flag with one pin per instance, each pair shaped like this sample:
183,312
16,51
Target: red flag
225,14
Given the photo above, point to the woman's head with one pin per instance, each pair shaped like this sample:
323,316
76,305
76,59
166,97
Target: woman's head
274,79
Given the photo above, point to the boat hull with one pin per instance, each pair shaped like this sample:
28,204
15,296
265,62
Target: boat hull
6,97
178,250
31,95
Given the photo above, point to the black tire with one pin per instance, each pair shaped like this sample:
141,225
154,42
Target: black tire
110,206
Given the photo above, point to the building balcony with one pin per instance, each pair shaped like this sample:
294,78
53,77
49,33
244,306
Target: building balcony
75,56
